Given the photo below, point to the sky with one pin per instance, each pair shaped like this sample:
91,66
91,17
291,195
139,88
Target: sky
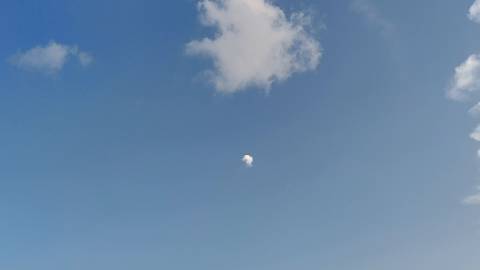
241,134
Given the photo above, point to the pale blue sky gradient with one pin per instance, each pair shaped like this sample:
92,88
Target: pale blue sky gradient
134,161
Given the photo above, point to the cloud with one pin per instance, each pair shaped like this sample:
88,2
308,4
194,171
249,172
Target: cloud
475,110
466,79
476,134
50,58
474,12
247,160
473,199
84,58
368,10
255,44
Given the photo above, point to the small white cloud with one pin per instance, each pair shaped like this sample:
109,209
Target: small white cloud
50,58
255,45
474,12
466,79
473,199
476,134
247,160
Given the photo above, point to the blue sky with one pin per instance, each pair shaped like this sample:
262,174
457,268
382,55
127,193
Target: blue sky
122,147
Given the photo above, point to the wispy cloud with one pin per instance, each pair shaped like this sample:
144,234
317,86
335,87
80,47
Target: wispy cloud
475,110
255,45
371,13
466,79
473,199
49,59
474,12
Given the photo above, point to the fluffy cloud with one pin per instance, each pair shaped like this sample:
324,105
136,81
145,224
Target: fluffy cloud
50,58
473,199
255,45
466,79
474,12
247,160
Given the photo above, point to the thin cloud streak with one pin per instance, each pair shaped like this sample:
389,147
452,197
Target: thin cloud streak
473,199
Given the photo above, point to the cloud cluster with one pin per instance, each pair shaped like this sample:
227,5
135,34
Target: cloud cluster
465,82
474,12
50,58
255,43
247,160
466,79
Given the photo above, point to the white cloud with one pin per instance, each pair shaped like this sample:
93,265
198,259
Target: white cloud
466,79
368,10
474,12
248,160
476,134
255,45
50,58
473,199
475,110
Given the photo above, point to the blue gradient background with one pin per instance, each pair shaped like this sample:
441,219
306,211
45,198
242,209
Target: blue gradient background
134,162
